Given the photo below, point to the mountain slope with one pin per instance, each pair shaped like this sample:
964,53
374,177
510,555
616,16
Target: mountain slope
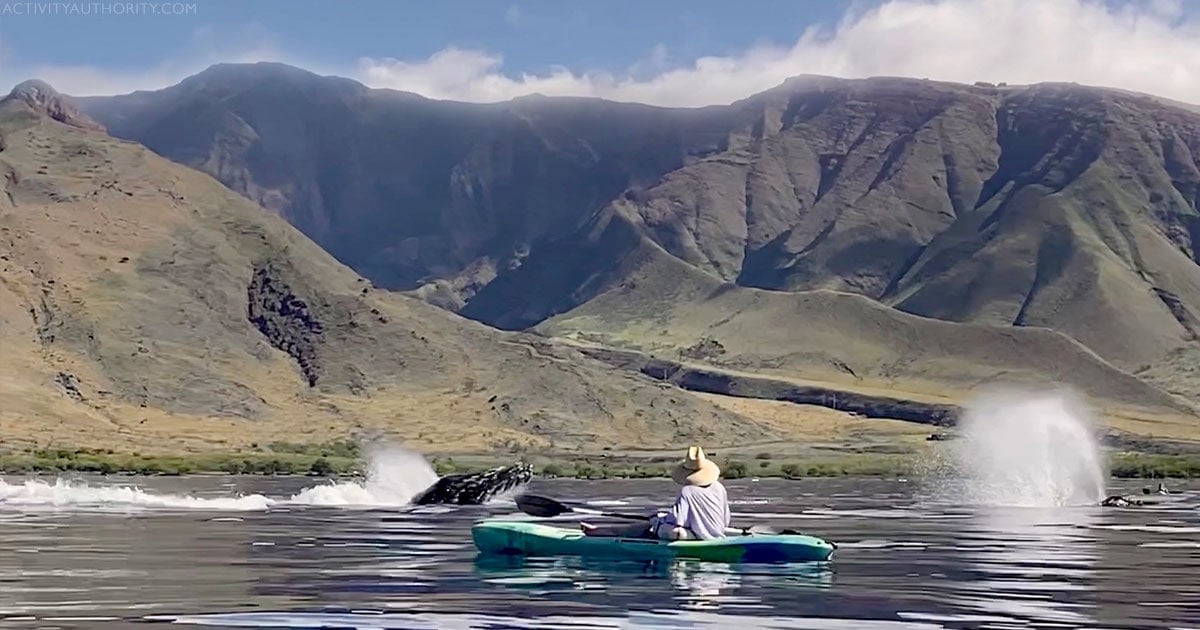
145,305
1051,206
400,187
640,297
1048,206
663,307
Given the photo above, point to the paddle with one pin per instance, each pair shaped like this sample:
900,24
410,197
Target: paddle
546,507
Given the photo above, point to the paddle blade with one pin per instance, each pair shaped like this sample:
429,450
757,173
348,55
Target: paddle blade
543,507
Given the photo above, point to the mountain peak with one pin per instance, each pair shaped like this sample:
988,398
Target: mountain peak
44,99
33,88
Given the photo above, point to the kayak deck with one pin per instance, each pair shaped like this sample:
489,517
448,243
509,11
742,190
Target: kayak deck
534,539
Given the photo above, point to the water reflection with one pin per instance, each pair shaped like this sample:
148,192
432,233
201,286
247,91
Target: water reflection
1147,570
901,563
1029,565
696,585
66,565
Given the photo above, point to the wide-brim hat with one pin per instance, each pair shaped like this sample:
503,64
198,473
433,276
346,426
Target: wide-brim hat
695,469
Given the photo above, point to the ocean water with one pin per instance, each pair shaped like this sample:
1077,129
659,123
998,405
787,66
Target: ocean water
252,552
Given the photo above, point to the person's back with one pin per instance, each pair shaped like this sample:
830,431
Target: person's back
702,510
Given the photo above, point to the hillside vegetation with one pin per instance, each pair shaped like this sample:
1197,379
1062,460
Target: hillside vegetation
145,306
913,236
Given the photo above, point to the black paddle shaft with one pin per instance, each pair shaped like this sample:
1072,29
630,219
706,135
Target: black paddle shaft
545,507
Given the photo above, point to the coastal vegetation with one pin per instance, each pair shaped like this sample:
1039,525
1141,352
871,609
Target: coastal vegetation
345,458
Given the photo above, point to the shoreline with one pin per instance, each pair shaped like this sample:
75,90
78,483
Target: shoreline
344,460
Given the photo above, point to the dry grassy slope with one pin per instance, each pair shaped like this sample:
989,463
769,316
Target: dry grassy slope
1049,206
665,306
832,185
1092,226
1053,206
127,284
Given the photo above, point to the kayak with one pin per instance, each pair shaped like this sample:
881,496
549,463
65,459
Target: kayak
534,539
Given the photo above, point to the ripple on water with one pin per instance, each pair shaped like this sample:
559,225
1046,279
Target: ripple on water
448,621
901,563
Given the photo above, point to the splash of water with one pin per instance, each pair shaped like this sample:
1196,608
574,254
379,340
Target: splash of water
63,493
1028,449
394,476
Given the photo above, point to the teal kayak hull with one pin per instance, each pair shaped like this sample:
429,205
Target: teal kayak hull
534,539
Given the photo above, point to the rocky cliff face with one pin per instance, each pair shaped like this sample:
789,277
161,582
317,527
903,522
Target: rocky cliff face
404,189
41,98
285,320
145,306
1055,206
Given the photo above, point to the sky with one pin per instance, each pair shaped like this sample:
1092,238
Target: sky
664,52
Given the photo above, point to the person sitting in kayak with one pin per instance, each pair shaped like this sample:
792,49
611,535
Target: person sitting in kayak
701,509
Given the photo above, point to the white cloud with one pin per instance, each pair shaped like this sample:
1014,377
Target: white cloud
203,49
471,75
89,80
1147,45
1171,9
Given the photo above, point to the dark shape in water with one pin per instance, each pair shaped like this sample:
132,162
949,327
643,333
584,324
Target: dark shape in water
1117,500
476,488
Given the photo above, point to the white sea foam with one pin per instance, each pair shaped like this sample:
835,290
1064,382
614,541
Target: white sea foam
394,476
62,493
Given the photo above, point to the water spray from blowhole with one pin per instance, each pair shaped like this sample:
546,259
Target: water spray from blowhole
1023,449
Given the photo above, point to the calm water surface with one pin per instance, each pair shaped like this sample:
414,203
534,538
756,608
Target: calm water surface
81,557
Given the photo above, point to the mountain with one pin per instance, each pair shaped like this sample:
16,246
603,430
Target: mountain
1051,206
399,187
145,306
844,341
1006,209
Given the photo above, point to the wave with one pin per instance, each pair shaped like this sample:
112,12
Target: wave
62,493
394,476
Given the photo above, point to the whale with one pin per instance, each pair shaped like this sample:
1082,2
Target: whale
475,488
1117,500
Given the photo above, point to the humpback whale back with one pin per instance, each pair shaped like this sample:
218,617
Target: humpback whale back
476,488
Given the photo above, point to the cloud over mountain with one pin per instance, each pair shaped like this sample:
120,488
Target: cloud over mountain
1144,46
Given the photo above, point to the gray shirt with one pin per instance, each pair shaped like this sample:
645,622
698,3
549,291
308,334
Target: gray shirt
702,510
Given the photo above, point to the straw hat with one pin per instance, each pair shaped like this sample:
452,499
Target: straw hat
695,469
